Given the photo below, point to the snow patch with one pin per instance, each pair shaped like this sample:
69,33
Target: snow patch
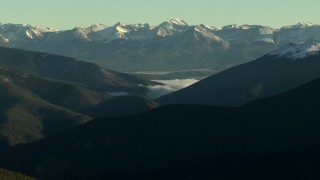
29,35
5,79
3,39
297,50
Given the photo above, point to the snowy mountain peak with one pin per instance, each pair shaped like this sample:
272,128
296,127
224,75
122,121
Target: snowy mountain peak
299,25
80,33
241,27
305,24
213,28
121,29
231,26
246,26
97,27
138,26
297,50
177,22
22,32
206,33
246,34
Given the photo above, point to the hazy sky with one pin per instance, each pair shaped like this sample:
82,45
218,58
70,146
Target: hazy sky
64,14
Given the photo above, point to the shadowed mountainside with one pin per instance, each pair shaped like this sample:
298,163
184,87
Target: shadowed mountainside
33,107
25,117
267,76
271,138
9,175
72,70
120,106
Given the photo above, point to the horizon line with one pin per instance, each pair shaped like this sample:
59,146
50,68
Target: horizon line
122,22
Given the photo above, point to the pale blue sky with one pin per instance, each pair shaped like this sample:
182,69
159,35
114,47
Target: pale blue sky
64,14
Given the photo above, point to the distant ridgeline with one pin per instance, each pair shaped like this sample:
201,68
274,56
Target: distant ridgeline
171,45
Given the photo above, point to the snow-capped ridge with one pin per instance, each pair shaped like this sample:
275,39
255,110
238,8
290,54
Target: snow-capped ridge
233,34
106,34
297,50
81,33
305,24
177,22
231,26
243,27
138,26
212,28
246,34
300,25
97,27
22,32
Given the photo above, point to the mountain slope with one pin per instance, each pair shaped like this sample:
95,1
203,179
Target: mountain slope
71,70
70,96
272,138
9,175
121,106
32,107
277,72
25,117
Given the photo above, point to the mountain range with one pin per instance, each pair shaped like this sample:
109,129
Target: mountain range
171,45
64,114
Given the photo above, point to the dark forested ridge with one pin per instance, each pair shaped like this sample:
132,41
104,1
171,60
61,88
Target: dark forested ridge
33,104
71,70
267,76
272,138
25,116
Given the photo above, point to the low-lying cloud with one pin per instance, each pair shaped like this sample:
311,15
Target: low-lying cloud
169,87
